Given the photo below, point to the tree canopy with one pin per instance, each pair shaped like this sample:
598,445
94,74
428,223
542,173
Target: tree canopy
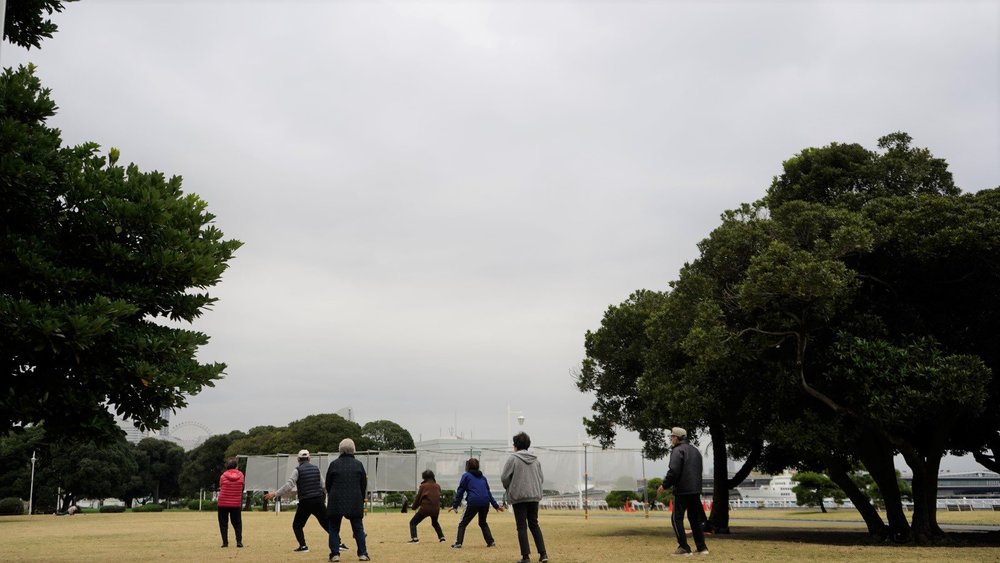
98,263
847,316
27,22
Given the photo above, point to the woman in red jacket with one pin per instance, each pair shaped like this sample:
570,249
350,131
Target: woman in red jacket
231,502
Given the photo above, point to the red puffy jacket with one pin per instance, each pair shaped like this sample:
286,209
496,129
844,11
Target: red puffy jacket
231,489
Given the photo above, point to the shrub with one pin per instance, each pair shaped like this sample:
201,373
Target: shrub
112,509
617,499
205,504
148,508
12,506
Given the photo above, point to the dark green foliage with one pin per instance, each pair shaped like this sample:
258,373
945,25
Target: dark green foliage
447,497
395,498
27,21
112,509
151,507
159,468
11,506
812,488
193,504
93,258
319,433
849,316
385,435
203,465
617,499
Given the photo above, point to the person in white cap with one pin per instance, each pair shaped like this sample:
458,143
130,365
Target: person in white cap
684,475
307,480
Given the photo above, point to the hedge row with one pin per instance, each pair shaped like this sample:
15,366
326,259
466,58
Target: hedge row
12,506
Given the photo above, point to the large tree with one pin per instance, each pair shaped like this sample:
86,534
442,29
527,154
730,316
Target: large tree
98,263
204,464
860,295
27,22
159,468
386,435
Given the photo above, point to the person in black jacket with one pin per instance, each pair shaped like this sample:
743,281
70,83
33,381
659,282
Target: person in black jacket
306,479
684,475
346,485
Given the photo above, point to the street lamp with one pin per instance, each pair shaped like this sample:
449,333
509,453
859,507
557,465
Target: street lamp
586,480
520,420
31,491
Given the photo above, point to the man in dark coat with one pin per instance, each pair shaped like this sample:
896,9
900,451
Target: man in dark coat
346,485
684,475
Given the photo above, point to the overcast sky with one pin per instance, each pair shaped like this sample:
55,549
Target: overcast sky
438,200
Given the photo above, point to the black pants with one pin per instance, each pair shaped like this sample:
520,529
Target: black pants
225,515
418,518
357,530
696,516
467,516
526,518
305,509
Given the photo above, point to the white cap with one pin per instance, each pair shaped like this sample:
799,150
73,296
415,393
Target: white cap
679,432
303,454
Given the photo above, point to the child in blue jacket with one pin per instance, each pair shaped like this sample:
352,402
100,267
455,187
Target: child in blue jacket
476,490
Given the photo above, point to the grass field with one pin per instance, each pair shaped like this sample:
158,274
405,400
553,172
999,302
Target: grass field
193,536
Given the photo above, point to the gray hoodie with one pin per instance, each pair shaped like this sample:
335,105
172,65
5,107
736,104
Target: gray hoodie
522,477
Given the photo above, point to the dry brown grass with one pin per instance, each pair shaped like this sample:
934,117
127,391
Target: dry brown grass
192,536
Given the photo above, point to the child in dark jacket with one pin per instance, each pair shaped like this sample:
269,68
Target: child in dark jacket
427,503
476,489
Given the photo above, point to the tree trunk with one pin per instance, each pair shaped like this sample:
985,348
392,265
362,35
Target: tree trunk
925,478
876,526
822,507
877,457
718,521
156,493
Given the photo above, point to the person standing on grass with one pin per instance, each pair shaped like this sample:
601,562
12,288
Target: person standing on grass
476,488
346,485
522,478
684,475
427,504
306,479
230,502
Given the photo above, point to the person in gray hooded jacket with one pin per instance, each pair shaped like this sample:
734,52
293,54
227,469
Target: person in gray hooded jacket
522,478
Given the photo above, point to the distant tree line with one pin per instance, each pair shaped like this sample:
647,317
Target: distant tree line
848,316
155,470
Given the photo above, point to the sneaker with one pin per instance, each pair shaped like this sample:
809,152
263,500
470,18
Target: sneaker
702,551
301,549
363,557
456,546
543,559
441,539
681,552
491,544
524,559
239,544
414,540
334,557
225,545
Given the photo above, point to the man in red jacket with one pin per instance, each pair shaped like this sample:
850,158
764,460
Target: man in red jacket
231,502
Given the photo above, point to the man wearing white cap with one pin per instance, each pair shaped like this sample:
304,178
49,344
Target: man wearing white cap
307,480
684,475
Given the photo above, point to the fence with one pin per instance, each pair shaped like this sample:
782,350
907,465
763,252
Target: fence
564,469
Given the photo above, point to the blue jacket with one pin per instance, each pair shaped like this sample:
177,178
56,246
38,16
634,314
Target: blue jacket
476,489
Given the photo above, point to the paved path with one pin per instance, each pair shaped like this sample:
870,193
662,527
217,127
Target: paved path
857,524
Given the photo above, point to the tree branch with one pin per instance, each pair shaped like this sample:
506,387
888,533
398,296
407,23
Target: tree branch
748,466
